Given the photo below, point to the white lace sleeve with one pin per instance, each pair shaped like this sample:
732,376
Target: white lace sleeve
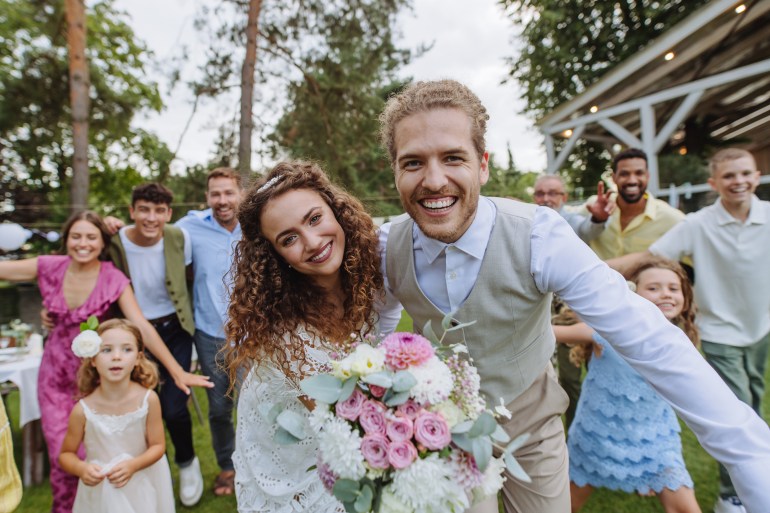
270,477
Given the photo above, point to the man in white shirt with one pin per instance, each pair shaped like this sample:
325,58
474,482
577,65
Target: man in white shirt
154,256
729,244
434,135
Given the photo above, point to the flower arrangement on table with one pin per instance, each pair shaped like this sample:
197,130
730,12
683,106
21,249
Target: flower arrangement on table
401,427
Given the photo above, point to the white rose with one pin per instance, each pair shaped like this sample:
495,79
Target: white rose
452,414
366,360
86,344
341,369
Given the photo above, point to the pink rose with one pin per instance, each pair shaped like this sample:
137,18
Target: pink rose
409,409
372,417
350,408
399,429
374,447
377,391
431,430
401,454
404,350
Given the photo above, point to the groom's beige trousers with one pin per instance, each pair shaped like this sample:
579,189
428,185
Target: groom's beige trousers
544,455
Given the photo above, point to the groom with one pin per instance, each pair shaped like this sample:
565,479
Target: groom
497,262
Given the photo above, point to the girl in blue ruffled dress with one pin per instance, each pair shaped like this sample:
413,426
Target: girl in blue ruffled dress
624,436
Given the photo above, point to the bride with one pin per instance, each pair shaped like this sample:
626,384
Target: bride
305,281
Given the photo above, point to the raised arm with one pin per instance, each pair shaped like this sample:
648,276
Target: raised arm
182,378
627,263
19,270
580,333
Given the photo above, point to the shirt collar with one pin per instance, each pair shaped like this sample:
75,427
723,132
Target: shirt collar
473,242
757,214
651,207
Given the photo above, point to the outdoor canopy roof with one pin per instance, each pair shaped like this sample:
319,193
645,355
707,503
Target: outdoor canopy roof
714,64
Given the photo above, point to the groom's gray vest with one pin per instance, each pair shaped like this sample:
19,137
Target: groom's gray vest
512,340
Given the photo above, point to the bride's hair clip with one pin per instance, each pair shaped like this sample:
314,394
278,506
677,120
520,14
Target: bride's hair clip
274,180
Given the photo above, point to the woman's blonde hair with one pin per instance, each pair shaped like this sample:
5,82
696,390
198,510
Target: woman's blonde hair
145,372
270,300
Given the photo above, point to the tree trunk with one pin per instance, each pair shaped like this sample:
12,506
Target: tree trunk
247,89
79,101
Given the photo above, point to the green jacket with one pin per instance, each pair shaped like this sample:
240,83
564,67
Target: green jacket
176,277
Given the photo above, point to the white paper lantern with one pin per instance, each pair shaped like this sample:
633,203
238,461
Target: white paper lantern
12,236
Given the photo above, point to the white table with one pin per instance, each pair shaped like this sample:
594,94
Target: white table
22,372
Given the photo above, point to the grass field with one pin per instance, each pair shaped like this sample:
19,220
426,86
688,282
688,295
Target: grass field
702,467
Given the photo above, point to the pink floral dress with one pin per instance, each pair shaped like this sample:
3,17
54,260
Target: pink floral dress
57,389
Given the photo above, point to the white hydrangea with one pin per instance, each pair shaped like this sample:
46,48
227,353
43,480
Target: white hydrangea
340,449
434,382
452,414
492,480
319,416
442,493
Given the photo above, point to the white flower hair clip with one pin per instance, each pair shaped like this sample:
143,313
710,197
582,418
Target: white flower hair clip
265,186
86,344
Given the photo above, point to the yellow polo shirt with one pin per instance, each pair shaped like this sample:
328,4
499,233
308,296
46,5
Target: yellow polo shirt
658,218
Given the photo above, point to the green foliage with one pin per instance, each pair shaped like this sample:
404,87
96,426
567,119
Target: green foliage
567,45
509,182
35,130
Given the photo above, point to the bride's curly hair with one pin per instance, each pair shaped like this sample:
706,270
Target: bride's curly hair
270,300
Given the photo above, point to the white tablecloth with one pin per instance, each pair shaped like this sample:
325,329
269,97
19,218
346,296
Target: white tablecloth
23,373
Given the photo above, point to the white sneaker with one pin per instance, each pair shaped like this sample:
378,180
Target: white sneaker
729,505
191,483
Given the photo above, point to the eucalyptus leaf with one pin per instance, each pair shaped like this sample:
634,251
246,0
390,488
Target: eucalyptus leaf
397,399
500,436
485,425
272,415
293,422
347,388
463,427
427,332
283,437
364,501
322,387
346,490
446,322
517,442
403,381
482,451
515,469
382,379
462,441
460,326
350,507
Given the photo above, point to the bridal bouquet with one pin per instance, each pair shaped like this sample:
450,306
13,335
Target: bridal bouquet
401,427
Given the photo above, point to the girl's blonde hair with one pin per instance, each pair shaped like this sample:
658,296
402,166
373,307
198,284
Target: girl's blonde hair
145,372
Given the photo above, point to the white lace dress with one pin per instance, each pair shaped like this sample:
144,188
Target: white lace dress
110,439
270,477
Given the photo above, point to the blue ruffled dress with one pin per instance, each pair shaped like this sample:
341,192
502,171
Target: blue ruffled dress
624,436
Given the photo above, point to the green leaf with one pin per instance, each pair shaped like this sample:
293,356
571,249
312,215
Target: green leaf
515,469
516,443
283,437
460,326
446,322
92,323
500,436
293,422
403,381
462,441
272,415
463,427
485,425
364,501
397,399
482,452
427,332
347,388
322,387
346,490
382,379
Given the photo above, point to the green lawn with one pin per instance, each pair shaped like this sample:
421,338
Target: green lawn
701,466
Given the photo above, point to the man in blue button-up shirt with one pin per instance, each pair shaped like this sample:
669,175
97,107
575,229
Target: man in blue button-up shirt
214,233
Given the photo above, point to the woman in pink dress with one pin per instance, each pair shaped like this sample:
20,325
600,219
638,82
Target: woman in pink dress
74,286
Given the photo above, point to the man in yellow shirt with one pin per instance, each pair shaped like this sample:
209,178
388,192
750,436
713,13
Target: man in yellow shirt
639,219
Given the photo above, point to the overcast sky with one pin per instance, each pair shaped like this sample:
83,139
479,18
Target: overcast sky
470,42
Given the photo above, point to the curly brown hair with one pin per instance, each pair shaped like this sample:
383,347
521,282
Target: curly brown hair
686,319
145,372
270,300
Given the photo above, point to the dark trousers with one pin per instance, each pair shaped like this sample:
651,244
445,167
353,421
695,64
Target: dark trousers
173,402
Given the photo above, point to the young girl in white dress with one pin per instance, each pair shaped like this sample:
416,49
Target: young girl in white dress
119,422
306,277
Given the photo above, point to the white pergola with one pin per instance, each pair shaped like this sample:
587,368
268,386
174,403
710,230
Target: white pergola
714,64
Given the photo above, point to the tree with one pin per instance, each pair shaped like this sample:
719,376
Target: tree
247,88
567,45
36,134
79,100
